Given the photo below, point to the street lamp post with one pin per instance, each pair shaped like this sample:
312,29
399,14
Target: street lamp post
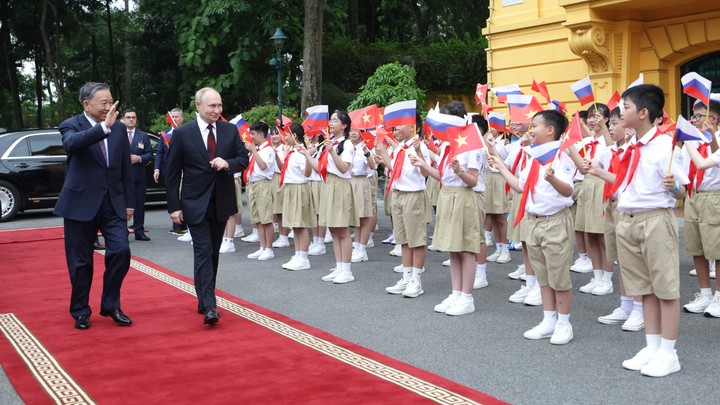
278,40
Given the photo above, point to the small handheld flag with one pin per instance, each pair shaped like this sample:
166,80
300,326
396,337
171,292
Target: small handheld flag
481,94
614,101
402,113
697,86
685,131
503,91
364,118
317,118
640,80
497,121
583,90
441,123
465,139
170,120
542,89
523,107
543,152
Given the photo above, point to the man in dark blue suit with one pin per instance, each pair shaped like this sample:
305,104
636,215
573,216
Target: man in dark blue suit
207,152
177,117
97,194
140,156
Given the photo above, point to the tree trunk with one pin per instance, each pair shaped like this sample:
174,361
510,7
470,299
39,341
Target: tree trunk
38,85
10,63
312,53
371,20
354,19
422,23
53,58
94,57
128,65
113,71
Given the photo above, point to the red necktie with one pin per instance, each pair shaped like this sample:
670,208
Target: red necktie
211,147
528,189
614,167
629,163
284,168
397,167
695,175
521,156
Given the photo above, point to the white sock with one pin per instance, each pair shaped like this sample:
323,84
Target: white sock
227,239
416,272
653,341
667,345
550,316
360,247
338,265
346,267
407,272
530,281
481,269
563,318
505,248
583,256
255,231
466,296
500,246
598,274
626,304
707,293
638,306
238,228
456,293
302,255
607,275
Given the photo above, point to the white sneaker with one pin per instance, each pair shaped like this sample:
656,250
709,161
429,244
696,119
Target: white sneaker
398,268
693,272
493,257
291,234
713,310
480,282
358,256
414,288
519,296
447,303
635,322
582,265
330,277
604,287
698,305
589,287
489,239
534,298
266,255
515,275
253,237
281,243
256,254
227,247
397,251
185,238
523,277
390,239
398,288
461,306
446,263
328,238
344,277
317,250
518,246
504,258
563,334
371,243
664,363
239,233
543,330
432,248
642,358
617,317
296,263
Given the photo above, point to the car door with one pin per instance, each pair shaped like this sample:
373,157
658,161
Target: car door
42,170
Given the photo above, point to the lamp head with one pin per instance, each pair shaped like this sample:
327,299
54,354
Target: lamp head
279,39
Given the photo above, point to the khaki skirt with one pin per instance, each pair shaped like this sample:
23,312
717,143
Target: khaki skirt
432,188
589,215
317,187
298,206
362,195
373,191
337,205
516,233
496,201
457,221
277,195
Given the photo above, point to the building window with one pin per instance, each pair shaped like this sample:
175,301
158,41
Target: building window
707,66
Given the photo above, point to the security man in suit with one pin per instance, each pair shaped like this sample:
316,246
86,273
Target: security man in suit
140,156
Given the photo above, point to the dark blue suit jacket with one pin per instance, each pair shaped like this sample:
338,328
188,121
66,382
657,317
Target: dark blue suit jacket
161,155
140,146
88,177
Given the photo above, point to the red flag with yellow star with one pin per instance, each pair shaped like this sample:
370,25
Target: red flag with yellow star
523,107
465,139
364,118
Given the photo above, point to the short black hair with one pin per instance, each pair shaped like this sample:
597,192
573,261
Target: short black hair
127,110
345,119
714,107
260,127
456,108
616,113
299,132
649,97
555,119
480,121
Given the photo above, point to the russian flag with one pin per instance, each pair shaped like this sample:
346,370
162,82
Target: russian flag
402,113
523,107
241,124
497,121
685,131
557,105
167,136
503,91
583,90
543,152
697,86
713,97
439,123
317,118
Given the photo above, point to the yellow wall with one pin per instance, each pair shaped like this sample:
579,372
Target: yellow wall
613,41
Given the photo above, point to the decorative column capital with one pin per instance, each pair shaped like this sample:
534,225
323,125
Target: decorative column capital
593,44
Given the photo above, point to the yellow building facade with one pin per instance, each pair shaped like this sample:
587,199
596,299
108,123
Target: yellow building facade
612,41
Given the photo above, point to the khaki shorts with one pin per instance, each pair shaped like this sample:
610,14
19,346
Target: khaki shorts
550,249
432,188
260,202
238,194
373,192
480,199
277,195
702,224
576,191
496,200
408,210
648,253
611,219
516,233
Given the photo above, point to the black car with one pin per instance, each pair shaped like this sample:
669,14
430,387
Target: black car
32,171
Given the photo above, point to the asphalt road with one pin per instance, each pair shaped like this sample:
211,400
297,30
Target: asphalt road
484,350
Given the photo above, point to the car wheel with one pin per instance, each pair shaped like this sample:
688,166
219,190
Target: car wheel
10,201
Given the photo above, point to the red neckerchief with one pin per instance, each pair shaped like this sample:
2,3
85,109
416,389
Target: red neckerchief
443,161
520,159
614,167
284,168
529,188
251,165
629,163
397,167
696,176
323,161
590,148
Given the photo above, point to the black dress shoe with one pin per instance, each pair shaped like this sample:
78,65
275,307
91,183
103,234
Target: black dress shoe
83,322
98,246
141,236
211,316
118,316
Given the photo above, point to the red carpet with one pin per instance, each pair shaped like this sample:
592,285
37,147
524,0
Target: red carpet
252,356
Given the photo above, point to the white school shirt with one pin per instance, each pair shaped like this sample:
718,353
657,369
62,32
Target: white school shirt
315,176
360,165
411,178
711,177
604,159
467,160
482,162
267,154
545,200
503,151
716,157
347,156
646,191
281,153
295,171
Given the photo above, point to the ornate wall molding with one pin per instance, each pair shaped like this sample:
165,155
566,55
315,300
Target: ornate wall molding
594,44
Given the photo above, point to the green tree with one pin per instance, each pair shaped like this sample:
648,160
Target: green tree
391,83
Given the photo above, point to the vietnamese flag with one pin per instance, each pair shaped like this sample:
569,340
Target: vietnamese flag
574,133
286,122
523,107
465,139
481,94
541,88
368,138
364,118
614,101
170,120
380,119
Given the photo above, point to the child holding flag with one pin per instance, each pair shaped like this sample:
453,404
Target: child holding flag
277,141
258,177
363,165
546,186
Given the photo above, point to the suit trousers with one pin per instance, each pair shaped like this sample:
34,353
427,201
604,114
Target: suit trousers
139,215
207,237
79,239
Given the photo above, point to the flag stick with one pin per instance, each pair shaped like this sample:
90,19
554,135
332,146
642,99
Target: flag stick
672,150
707,113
